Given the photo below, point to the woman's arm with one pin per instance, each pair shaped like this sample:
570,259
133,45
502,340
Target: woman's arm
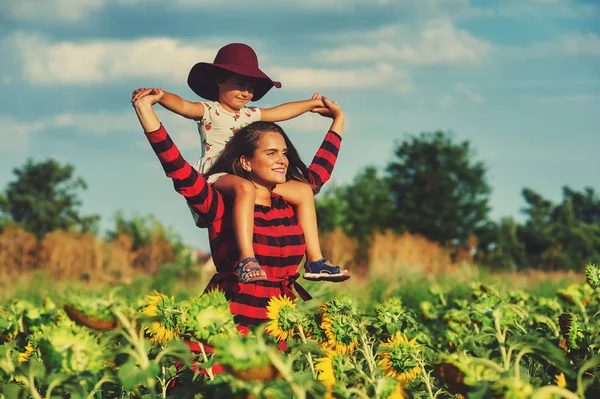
205,200
319,171
173,103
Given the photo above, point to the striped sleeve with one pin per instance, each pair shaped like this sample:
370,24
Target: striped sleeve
321,167
205,200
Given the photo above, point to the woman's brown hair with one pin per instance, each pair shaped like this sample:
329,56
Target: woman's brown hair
245,141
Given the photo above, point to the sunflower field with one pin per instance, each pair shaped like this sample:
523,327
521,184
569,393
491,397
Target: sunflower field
490,343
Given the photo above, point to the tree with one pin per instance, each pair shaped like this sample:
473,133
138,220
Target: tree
360,208
563,236
143,230
438,189
44,198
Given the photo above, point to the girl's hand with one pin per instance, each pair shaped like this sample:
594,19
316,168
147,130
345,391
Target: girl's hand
331,109
141,92
149,97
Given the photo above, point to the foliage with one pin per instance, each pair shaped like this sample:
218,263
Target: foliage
44,198
486,342
439,190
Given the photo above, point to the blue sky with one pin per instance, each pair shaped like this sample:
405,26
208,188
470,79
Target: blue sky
519,79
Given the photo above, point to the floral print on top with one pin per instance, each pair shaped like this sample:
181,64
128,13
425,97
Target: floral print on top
216,128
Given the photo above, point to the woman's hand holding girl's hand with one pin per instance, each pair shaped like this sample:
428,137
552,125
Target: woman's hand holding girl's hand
331,109
147,97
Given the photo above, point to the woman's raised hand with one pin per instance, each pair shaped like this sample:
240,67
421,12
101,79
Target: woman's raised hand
330,109
147,96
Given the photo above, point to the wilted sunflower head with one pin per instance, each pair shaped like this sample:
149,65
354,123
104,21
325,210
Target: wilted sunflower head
72,351
166,314
392,317
284,317
207,317
341,332
570,329
345,304
510,388
398,358
592,275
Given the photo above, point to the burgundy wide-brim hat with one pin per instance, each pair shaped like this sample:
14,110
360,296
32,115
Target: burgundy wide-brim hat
237,58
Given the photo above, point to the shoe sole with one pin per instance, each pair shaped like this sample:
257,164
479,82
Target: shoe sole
335,278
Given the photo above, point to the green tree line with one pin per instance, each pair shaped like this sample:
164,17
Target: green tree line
435,187
44,197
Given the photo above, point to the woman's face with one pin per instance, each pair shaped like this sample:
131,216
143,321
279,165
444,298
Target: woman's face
269,163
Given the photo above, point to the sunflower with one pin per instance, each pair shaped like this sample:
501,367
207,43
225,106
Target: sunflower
398,359
284,317
163,308
332,368
560,380
570,329
342,336
324,365
592,275
24,356
345,304
398,393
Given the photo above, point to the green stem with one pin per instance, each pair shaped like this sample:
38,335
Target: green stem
425,376
586,320
369,357
97,387
501,337
31,382
309,354
549,390
205,358
518,361
486,362
163,383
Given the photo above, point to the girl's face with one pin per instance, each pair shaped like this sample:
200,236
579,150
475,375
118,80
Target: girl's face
269,163
236,92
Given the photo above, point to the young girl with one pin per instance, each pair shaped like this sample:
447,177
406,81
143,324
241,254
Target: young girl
229,84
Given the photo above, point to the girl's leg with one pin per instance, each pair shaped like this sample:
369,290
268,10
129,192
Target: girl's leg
243,194
301,196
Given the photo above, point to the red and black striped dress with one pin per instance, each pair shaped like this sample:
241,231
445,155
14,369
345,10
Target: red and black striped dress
278,239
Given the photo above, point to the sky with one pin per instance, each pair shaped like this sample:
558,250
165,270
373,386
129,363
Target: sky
519,79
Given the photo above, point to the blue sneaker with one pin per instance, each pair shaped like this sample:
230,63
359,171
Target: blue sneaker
322,270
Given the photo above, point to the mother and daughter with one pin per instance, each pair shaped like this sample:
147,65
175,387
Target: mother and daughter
250,187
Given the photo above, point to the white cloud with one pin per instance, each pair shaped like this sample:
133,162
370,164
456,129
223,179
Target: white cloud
15,134
68,10
101,61
569,45
98,61
438,42
380,75
564,9
468,93
446,100
78,10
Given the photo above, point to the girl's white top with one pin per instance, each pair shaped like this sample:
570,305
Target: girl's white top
216,128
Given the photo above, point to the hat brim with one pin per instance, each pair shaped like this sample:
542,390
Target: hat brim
202,80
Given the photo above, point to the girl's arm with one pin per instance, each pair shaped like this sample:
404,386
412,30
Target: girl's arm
205,200
174,103
291,110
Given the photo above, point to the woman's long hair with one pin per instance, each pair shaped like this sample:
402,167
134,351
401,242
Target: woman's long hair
245,141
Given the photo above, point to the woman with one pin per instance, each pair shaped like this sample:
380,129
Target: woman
263,154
